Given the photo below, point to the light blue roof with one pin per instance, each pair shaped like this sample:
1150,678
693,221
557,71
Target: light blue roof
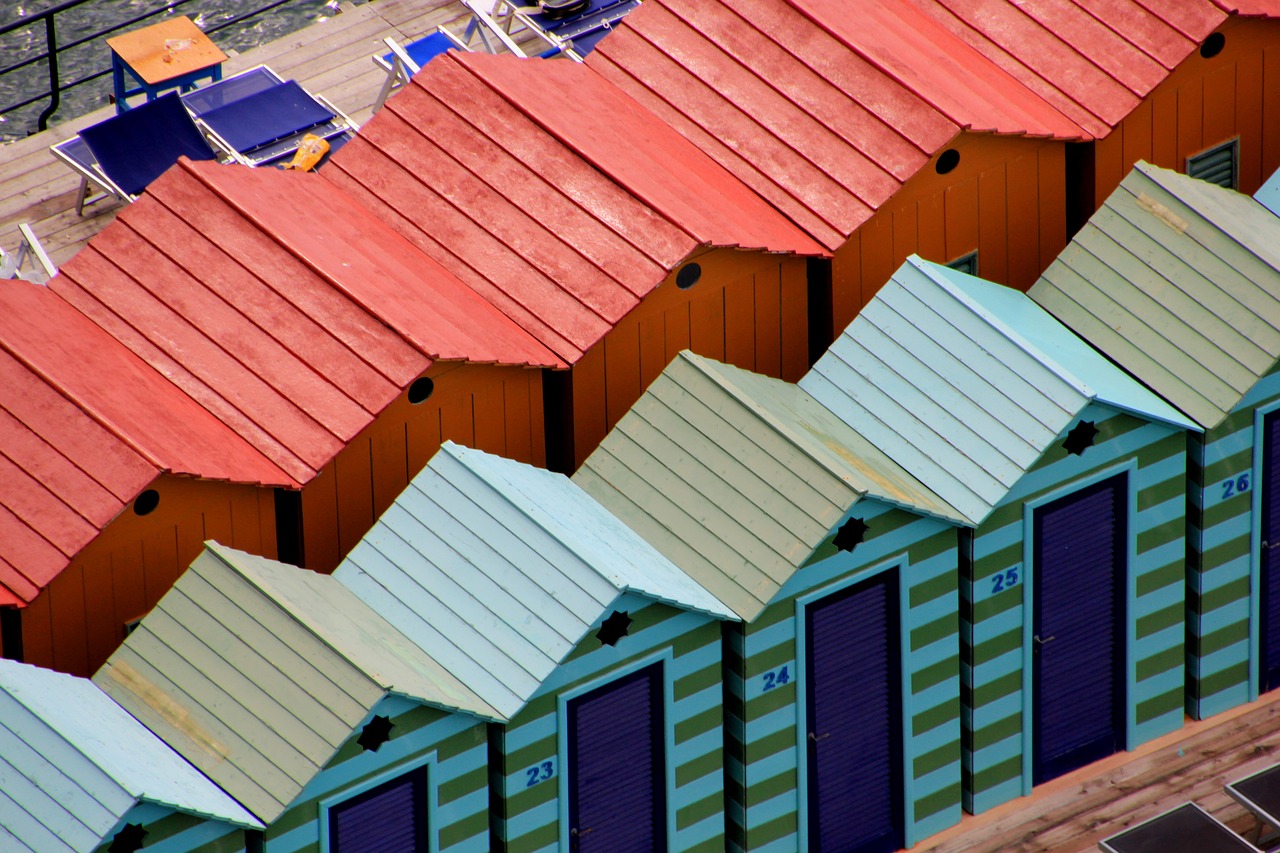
73,763
500,568
1268,195
966,383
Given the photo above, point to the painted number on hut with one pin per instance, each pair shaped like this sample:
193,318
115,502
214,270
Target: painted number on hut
1233,487
1005,580
539,773
777,678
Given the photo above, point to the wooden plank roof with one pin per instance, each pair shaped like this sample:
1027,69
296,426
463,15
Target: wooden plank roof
966,383
85,426
279,304
257,673
1093,61
501,569
824,109
738,478
74,764
1178,281
548,191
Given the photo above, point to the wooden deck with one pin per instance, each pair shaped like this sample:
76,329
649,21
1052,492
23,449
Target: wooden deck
331,58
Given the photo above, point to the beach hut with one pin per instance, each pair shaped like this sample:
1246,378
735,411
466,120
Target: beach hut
1178,282
315,332
598,228
81,775
842,683
602,659
1074,476
110,475
876,130
328,725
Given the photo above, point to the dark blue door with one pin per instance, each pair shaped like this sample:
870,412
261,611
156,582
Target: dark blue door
1078,645
1270,535
391,818
617,800
854,737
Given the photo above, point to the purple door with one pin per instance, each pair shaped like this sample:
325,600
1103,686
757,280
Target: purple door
1078,644
391,818
854,737
1270,535
617,801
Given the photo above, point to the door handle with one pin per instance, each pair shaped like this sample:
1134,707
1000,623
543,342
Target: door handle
1039,642
816,738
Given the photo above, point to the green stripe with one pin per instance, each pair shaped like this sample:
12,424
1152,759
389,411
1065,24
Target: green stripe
923,679
1167,617
997,731
944,627
1166,575
1160,663
1173,530
1160,705
1001,644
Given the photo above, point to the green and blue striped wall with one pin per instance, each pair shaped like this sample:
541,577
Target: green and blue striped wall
168,831
452,746
532,797
765,749
1224,565
996,627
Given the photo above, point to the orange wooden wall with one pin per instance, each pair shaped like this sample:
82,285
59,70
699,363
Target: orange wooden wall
1006,199
79,619
488,407
749,309
1203,103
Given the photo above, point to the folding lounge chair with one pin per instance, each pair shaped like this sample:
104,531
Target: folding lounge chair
493,34
125,153
406,60
1186,829
233,88
575,35
269,124
29,250
1260,794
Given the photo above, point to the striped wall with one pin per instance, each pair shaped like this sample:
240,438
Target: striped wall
174,832
995,628
536,806
1223,562
765,749
454,747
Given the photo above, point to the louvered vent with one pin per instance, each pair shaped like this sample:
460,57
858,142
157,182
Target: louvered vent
1217,165
967,264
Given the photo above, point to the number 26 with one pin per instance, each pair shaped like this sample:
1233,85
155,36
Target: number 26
1236,486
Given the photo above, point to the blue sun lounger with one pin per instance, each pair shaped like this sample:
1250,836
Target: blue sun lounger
269,124
406,60
1185,829
574,35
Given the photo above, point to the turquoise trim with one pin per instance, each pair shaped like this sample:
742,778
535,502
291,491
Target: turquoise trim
900,564
1255,551
1129,468
666,657
433,797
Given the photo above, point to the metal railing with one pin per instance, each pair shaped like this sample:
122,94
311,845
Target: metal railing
52,50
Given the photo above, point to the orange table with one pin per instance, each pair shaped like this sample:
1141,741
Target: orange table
169,55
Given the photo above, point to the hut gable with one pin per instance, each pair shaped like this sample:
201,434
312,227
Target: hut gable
224,281
563,219
966,383
501,569
1178,281
311,663
76,765
738,478
824,112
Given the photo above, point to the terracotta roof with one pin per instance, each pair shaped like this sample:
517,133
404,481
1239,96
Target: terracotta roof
268,297
824,112
548,191
85,426
1095,61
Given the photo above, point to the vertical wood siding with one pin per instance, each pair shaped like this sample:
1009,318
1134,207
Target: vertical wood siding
694,736
749,309
764,733
993,624
1221,563
488,407
1006,200
1202,103
457,775
78,621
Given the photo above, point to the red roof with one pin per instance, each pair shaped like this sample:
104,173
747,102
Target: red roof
268,297
1095,61
550,193
823,111
85,426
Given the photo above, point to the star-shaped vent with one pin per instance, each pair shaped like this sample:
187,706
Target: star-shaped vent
376,732
1080,438
129,839
850,534
614,628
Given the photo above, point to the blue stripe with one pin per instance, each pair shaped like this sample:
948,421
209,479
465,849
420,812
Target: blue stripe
773,808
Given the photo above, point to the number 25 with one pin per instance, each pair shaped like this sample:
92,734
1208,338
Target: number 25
1004,580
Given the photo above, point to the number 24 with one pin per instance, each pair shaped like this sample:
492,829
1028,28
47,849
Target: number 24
1004,580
